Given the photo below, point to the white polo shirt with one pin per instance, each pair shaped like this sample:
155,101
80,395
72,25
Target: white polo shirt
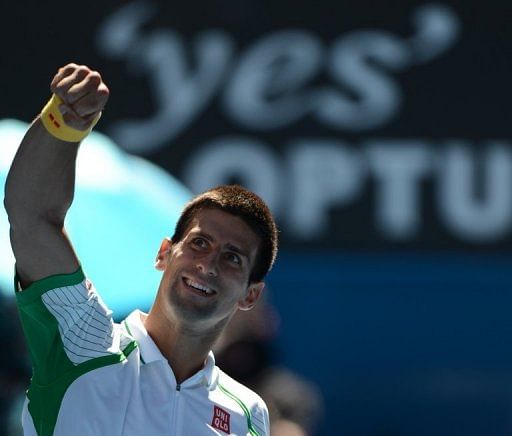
92,376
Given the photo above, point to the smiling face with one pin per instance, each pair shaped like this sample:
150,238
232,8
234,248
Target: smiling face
206,273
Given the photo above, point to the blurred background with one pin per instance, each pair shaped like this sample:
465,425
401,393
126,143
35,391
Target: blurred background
379,134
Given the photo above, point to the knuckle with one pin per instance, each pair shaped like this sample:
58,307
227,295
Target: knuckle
67,67
94,78
94,75
81,72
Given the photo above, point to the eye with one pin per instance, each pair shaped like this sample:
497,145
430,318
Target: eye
200,242
233,258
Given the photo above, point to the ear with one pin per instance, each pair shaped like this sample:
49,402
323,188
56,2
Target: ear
163,253
253,294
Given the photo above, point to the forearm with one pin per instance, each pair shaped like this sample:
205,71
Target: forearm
40,183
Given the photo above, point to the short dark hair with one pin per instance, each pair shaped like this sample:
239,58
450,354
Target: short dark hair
240,202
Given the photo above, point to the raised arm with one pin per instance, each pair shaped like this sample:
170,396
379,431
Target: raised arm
40,184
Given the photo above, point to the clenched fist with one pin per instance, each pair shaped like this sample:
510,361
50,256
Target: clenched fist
83,92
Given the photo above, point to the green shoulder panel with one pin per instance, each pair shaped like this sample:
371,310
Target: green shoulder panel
45,400
41,329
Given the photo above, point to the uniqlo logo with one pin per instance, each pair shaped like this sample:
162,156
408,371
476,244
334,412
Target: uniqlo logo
221,419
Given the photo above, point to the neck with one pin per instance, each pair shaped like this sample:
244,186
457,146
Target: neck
185,350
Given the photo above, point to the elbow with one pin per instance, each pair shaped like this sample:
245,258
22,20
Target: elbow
24,213
11,198
12,204
14,214
8,202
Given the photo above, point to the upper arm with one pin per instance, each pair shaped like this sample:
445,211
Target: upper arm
41,249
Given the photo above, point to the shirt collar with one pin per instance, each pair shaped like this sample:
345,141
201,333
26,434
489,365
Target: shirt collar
149,351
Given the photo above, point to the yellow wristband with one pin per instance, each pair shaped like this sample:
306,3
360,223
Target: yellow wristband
53,122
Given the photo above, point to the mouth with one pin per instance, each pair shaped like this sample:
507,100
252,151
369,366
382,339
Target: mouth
198,288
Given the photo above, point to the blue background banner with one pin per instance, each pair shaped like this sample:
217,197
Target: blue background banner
411,343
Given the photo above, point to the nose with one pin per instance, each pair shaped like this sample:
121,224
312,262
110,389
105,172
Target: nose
207,264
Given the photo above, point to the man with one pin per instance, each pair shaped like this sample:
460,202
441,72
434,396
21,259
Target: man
154,373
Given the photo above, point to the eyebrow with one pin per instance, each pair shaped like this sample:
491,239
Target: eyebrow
237,250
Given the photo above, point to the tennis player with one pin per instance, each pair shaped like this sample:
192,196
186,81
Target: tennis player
153,374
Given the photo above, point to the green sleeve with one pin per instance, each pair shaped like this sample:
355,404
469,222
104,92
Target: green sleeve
41,329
